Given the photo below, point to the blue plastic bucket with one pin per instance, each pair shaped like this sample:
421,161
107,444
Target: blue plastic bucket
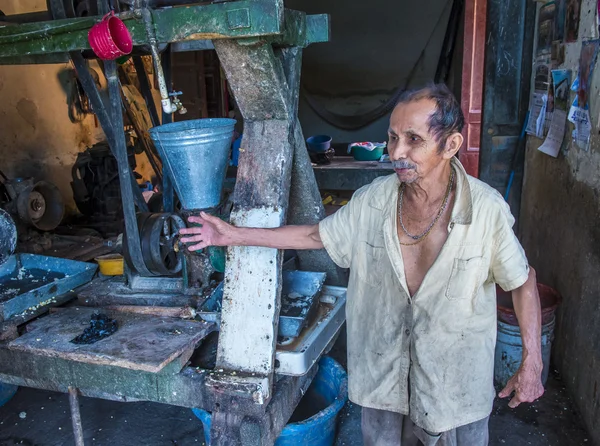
329,390
195,154
7,391
509,351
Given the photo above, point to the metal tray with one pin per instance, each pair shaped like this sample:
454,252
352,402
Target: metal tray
296,356
29,280
299,301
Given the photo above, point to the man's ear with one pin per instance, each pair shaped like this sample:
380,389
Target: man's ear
453,144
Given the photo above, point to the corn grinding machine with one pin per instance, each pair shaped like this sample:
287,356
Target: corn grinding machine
254,326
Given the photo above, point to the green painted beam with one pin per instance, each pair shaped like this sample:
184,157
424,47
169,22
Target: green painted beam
229,20
318,29
299,30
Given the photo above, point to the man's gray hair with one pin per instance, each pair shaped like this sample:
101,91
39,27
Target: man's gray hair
447,118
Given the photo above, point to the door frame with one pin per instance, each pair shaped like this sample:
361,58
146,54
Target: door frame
472,83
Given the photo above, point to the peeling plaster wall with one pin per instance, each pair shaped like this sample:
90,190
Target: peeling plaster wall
373,48
36,136
560,231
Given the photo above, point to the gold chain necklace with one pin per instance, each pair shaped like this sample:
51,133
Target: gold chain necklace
423,236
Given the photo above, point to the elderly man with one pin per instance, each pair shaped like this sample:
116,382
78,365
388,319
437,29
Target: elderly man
426,248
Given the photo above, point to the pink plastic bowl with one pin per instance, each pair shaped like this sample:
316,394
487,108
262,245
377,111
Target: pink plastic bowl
110,38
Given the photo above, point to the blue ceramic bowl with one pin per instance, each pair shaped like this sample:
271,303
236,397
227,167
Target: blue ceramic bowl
319,143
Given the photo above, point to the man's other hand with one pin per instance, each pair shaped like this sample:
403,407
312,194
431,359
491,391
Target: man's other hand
212,232
527,385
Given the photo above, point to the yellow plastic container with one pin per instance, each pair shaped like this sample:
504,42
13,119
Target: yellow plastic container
110,264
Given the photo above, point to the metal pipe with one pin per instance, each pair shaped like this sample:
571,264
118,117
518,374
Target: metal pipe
169,106
76,416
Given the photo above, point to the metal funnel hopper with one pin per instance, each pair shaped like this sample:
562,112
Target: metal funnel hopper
195,154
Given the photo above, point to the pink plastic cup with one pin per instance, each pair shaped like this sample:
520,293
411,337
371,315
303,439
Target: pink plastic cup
110,38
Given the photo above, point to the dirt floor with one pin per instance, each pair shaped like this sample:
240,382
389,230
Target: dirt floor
36,417
552,421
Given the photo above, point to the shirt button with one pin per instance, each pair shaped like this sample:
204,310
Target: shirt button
407,332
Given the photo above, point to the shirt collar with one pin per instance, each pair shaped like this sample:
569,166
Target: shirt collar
462,213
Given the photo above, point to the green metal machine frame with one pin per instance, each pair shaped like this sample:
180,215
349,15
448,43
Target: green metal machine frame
250,21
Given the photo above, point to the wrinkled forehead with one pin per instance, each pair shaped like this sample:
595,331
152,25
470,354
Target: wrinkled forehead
412,117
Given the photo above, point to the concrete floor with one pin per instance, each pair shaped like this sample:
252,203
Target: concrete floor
41,418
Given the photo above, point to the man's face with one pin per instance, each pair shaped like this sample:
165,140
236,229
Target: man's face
411,146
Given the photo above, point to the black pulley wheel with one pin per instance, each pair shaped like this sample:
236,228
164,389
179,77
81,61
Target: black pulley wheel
141,219
158,234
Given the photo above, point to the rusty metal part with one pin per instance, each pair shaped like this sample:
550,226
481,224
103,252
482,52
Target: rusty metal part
8,236
36,204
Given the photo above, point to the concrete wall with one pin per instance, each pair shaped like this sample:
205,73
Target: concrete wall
560,231
36,136
373,48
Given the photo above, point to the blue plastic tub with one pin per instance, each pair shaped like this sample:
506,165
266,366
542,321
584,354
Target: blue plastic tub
7,391
328,392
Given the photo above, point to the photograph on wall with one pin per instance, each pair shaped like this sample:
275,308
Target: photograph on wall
560,81
539,100
558,52
572,20
587,61
579,114
545,28
558,99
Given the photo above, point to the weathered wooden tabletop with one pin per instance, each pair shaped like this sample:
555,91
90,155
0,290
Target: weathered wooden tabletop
141,342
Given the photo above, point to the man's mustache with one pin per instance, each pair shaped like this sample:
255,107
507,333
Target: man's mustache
403,165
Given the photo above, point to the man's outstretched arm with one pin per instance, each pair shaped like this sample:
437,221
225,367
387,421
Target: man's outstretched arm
215,232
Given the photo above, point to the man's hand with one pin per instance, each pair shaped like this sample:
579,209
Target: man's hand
526,383
213,232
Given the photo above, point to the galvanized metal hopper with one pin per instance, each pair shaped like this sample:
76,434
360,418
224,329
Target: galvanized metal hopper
195,154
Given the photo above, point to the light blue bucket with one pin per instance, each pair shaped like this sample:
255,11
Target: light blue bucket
509,351
328,389
195,154
7,391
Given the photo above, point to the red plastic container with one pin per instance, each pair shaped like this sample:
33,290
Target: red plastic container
110,38
549,300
